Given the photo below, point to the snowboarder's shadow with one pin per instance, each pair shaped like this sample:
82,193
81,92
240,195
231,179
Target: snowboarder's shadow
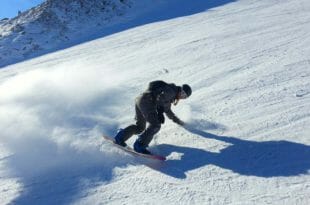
249,158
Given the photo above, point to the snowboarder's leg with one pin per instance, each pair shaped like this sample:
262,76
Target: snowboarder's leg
146,137
149,111
131,130
137,128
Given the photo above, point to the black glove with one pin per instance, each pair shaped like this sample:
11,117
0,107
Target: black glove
161,117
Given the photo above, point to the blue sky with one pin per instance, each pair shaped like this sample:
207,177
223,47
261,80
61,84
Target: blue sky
10,8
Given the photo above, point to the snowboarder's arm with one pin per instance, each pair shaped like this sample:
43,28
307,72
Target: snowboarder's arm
173,117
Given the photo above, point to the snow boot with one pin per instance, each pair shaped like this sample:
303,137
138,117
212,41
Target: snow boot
138,147
119,138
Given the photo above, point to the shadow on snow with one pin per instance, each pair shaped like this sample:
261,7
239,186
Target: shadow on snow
250,158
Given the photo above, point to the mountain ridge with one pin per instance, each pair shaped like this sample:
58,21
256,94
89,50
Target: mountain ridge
55,24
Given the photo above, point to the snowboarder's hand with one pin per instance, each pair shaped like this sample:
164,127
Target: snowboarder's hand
161,118
160,112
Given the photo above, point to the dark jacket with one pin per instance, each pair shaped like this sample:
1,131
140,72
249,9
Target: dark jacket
163,96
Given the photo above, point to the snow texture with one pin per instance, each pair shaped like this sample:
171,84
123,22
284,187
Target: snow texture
246,140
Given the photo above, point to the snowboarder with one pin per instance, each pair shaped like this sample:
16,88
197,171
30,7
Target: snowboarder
150,107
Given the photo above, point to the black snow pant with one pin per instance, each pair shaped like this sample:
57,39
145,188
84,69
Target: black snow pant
146,112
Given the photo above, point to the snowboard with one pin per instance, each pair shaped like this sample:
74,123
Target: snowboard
132,151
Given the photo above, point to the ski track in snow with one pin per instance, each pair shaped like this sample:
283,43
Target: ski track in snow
247,139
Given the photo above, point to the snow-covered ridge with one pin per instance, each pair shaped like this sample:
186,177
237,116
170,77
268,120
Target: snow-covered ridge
55,24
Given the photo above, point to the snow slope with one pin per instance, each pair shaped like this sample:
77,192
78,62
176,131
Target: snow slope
247,139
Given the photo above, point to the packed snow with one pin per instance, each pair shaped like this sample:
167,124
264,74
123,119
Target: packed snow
246,140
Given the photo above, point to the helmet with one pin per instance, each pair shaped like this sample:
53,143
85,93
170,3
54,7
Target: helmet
187,89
